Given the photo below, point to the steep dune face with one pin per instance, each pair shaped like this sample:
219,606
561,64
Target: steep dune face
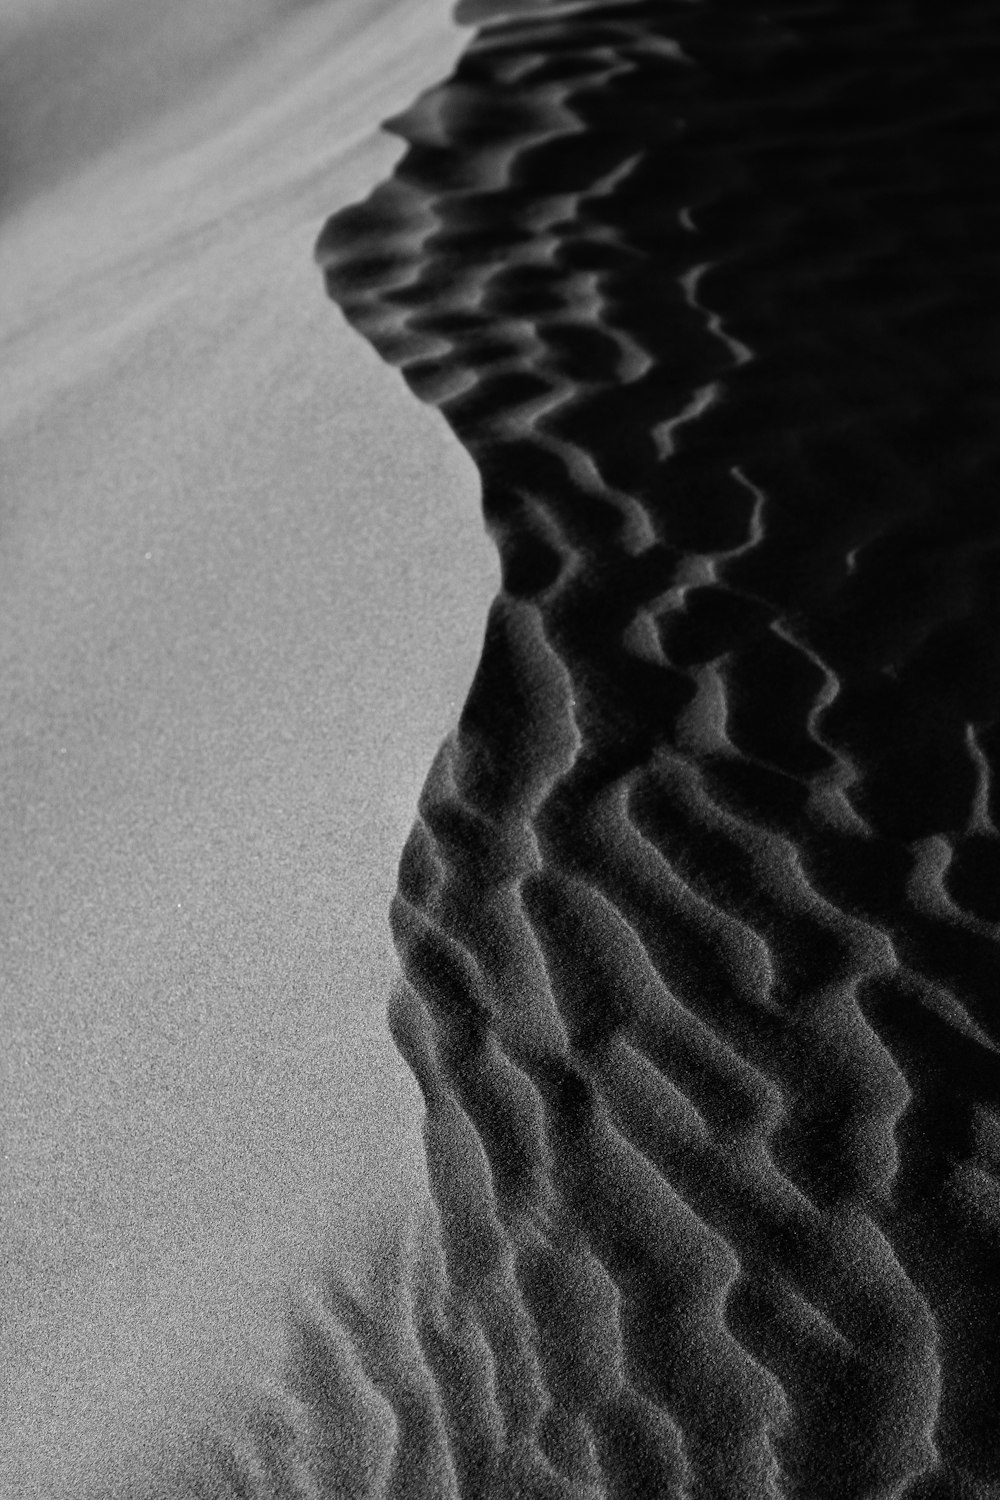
222,678
699,916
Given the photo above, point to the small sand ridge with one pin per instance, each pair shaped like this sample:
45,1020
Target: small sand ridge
699,916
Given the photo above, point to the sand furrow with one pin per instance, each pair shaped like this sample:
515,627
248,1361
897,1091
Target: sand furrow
697,916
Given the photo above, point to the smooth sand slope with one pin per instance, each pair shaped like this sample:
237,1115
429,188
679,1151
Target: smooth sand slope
242,586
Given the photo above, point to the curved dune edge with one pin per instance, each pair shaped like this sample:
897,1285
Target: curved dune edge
699,916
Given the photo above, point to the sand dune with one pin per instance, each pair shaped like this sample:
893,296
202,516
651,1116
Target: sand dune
698,917
223,674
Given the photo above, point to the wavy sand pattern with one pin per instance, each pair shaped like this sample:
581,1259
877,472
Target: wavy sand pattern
699,914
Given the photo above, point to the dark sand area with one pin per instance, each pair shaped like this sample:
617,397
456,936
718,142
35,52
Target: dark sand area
699,919
699,916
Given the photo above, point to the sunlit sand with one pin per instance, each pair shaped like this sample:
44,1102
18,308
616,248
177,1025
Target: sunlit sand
223,674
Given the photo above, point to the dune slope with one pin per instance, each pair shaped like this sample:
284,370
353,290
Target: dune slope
699,915
222,678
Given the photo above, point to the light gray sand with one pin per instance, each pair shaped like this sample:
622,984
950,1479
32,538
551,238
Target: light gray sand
242,589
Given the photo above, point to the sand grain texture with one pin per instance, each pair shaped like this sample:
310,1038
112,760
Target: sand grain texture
222,678
699,917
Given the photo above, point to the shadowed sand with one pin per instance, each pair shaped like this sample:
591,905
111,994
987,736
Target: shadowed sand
242,584
699,915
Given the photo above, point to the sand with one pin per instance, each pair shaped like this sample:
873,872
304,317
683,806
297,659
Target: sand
242,585
699,913
697,1171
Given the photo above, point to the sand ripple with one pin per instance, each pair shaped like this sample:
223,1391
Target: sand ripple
698,917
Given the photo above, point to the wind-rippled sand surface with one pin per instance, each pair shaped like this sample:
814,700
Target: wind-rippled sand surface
223,675
699,915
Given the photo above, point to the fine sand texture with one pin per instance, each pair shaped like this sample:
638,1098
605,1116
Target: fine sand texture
242,584
699,917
